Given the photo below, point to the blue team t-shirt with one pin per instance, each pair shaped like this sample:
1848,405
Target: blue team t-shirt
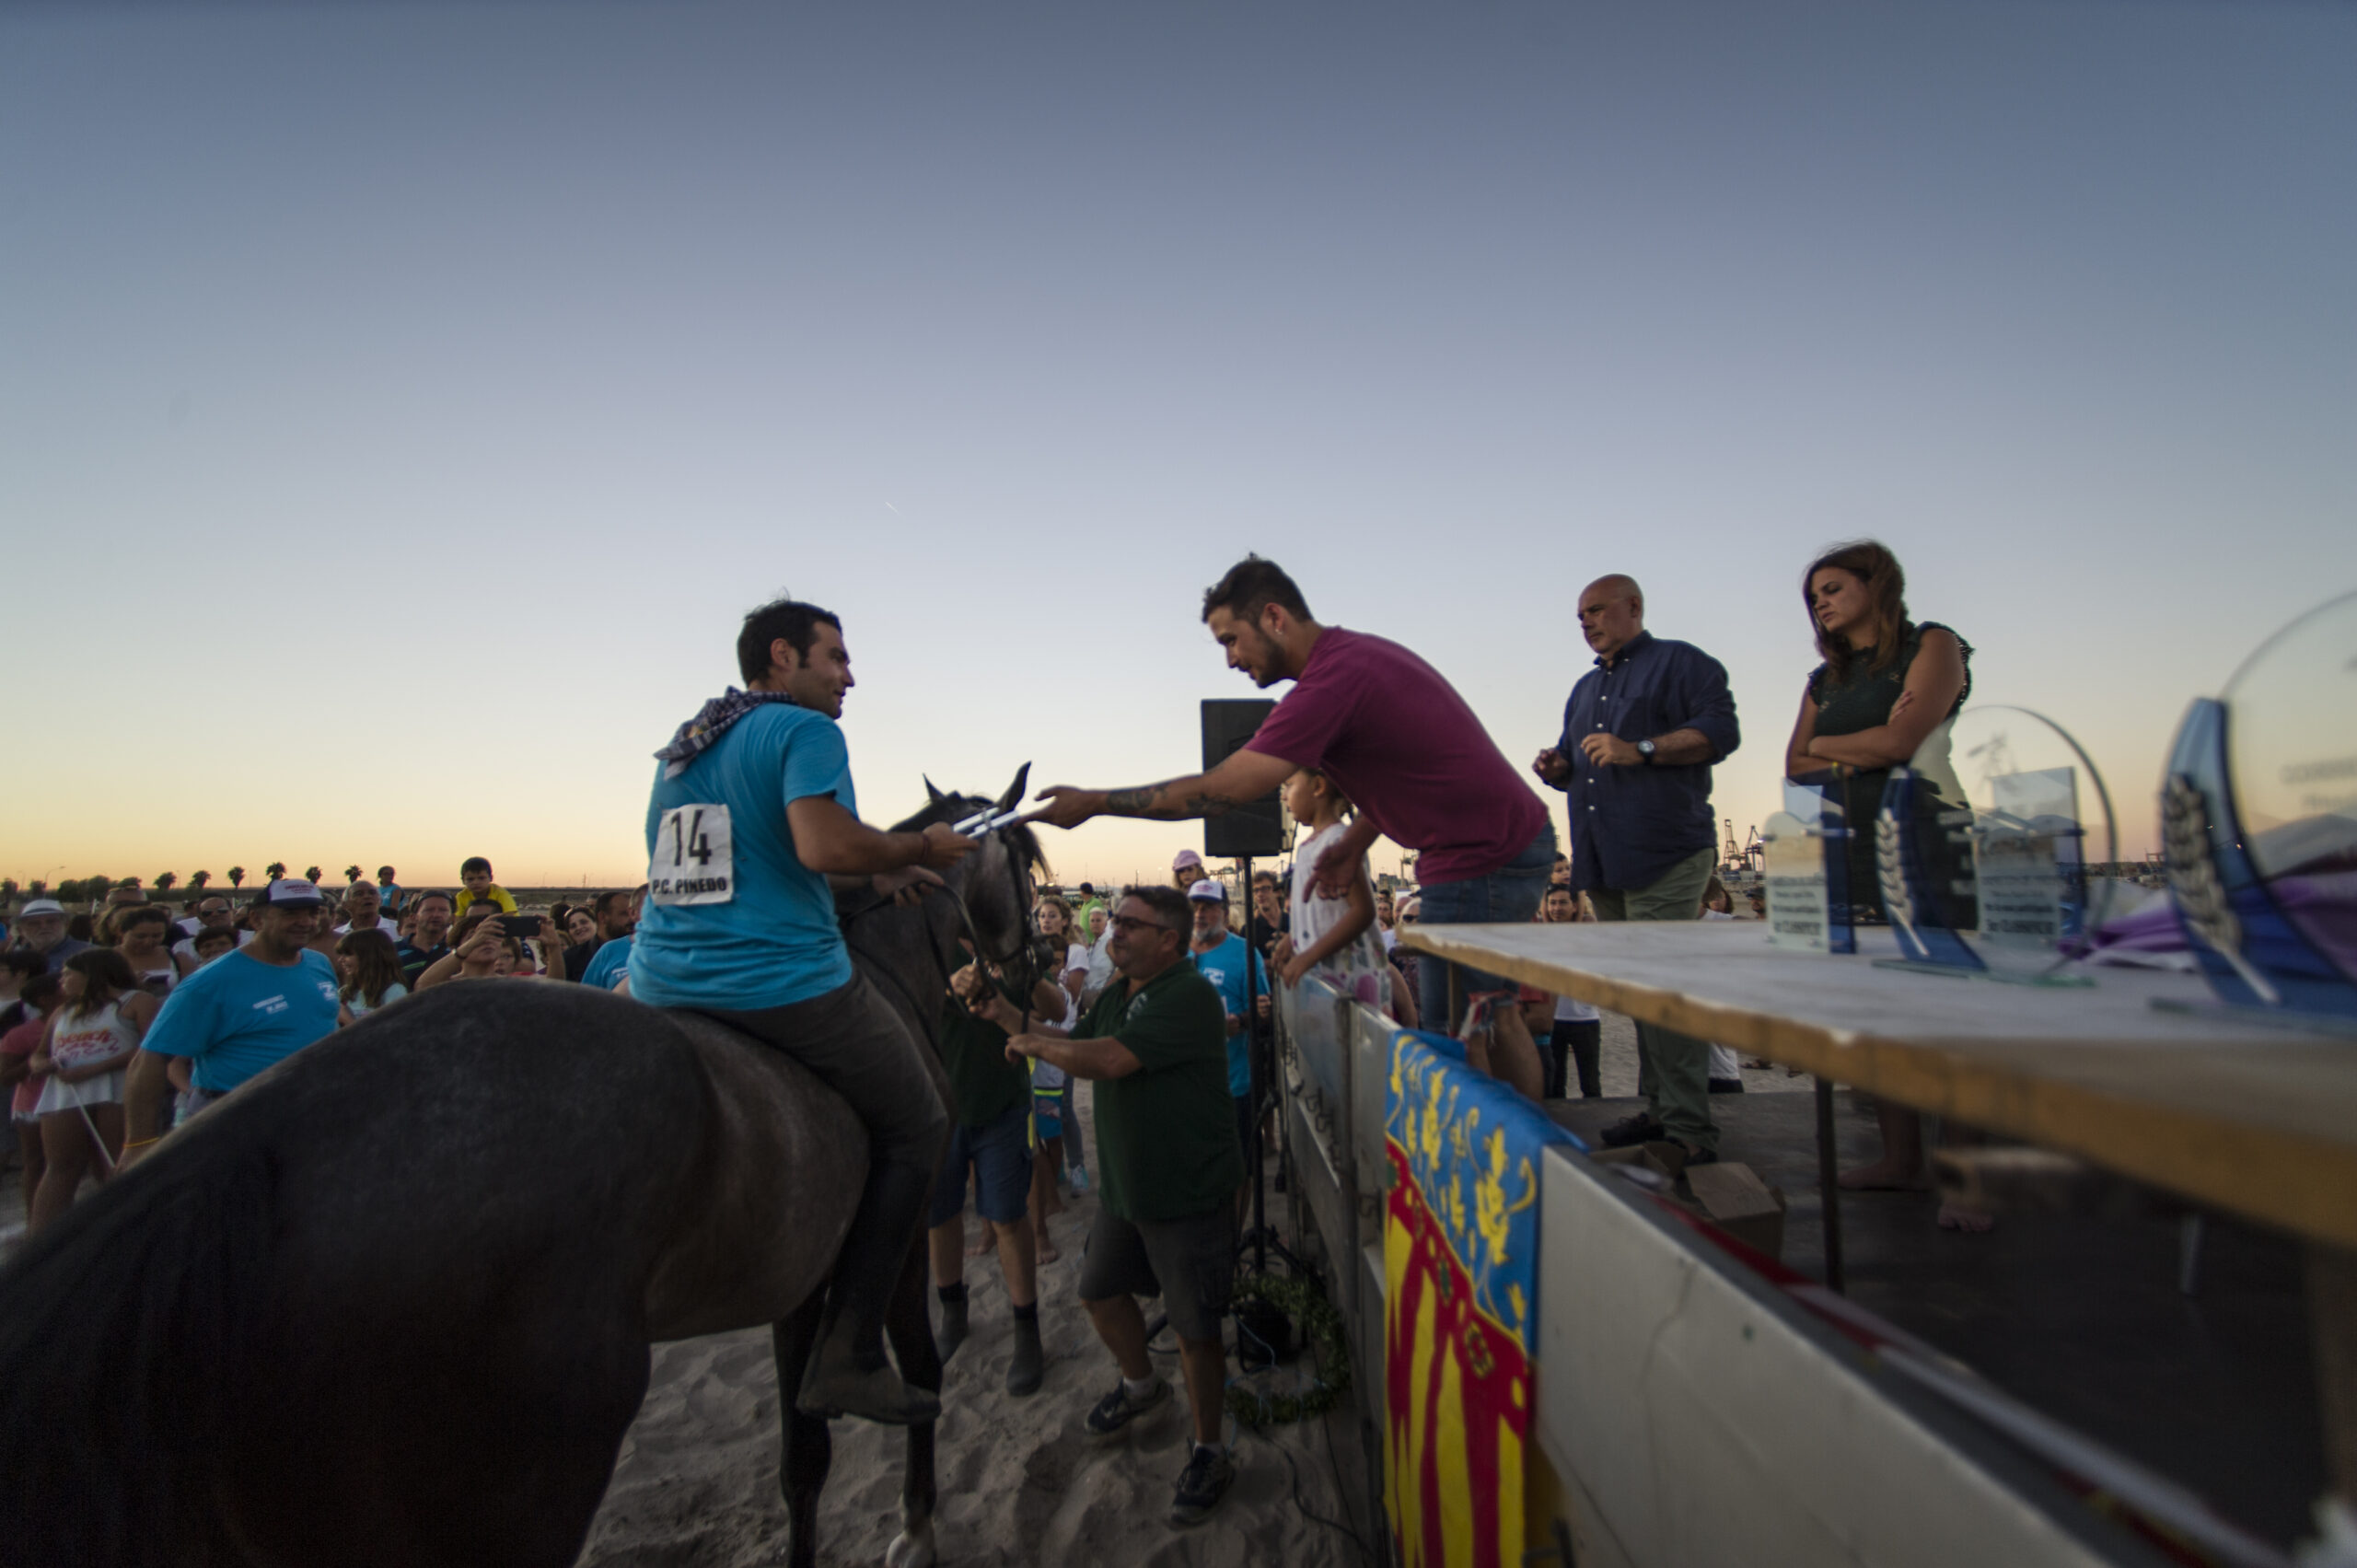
608,964
762,931
236,1015
1225,966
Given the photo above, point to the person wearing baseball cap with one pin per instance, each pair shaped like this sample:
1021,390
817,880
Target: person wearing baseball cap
1236,972
1187,869
40,928
248,1010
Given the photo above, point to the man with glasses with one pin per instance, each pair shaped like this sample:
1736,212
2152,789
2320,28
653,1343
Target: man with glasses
40,928
211,911
1155,1047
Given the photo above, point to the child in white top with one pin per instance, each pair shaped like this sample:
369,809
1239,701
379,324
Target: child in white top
1332,938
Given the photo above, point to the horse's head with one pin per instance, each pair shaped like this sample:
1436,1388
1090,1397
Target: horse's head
998,880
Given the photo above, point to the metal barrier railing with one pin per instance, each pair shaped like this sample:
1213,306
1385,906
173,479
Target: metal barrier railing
1337,1058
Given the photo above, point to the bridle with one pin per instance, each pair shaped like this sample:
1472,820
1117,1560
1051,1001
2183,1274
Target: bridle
1024,954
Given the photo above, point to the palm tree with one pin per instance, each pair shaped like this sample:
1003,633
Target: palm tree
352,873
165,881
197,879
236,876
274,870
311,875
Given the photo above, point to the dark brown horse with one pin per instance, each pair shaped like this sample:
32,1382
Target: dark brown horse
389,1305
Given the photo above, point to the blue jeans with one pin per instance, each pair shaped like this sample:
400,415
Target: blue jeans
1510,894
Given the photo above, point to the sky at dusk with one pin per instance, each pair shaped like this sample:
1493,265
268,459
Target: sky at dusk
400,405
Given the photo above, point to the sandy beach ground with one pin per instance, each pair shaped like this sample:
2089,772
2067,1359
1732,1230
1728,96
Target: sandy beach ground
1021,1481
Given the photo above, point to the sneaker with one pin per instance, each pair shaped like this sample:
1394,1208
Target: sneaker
1638,1129
1695,1156
1203,1486
1119,1407
1079,1178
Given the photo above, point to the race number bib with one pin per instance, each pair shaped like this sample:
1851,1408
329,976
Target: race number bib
695,860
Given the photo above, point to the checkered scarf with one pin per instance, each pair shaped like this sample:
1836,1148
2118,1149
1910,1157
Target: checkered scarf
711,722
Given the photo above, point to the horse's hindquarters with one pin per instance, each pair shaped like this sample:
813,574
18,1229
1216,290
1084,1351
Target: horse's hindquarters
779,1177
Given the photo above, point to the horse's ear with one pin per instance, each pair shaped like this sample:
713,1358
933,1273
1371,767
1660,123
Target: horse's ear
1014,796
936,796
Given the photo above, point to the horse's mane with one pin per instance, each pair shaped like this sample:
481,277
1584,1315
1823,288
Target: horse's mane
952,809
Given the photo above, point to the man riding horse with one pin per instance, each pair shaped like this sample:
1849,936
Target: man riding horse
751,828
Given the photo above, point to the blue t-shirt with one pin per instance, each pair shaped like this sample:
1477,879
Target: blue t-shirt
761,932
236,1015
608,964
1225,967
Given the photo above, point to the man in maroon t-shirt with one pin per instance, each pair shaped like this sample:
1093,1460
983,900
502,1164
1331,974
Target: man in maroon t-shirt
1404,746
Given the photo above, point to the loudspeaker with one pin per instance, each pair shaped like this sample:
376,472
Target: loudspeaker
1257,827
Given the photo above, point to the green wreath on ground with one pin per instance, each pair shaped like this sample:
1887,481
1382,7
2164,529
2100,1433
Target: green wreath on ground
1322,1326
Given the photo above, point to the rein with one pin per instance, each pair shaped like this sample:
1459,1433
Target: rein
926,1015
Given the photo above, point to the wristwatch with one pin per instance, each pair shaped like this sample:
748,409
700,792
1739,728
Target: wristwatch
1645,753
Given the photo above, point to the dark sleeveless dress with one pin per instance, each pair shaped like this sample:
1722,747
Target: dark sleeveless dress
1862,701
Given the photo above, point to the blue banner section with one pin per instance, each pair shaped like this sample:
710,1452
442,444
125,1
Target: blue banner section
1473,1147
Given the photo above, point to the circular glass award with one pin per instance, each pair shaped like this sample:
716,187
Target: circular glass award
2290,734
1989,855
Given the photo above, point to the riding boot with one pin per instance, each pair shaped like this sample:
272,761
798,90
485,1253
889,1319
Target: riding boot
1026,1367
848,1374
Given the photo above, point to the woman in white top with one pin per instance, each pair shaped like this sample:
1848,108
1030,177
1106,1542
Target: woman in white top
1332,938
370,969
1054,1117
1575,1043
89,1042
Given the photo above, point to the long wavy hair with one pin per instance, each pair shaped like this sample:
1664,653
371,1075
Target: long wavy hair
106,978
376,966
1871,562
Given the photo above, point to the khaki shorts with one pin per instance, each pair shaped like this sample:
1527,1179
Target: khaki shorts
1190,1263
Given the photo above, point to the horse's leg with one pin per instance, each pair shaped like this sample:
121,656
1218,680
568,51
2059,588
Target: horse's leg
807,1448
912,1334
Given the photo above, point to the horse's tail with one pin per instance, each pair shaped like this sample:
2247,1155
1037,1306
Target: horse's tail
128,1335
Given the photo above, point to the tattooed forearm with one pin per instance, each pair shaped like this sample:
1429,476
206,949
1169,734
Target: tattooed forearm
1169,801
1146,801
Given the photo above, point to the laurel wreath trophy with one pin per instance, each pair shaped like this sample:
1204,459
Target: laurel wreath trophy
2259,823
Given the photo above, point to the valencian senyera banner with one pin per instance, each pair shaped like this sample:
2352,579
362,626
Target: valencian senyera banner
1460,1250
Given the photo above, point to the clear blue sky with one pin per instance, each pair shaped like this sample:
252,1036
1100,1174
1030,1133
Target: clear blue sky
400,404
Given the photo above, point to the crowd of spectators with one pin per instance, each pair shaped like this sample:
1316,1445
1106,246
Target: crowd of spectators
120,1022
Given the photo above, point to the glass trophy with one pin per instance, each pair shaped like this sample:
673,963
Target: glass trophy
1984,845
1806,869
2258,821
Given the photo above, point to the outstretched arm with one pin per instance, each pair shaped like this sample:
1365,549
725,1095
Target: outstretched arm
831,840
1246,775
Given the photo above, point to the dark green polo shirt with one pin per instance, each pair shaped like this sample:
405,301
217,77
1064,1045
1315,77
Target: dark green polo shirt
1166,1134
982,1080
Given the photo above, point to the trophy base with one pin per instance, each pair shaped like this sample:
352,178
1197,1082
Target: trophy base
2052,978
2293,1019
